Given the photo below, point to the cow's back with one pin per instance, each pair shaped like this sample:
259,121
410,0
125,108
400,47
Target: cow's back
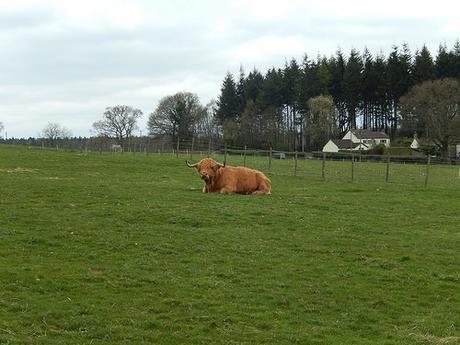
243,180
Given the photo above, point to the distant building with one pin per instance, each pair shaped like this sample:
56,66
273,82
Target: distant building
335,145
416,142
279,155
357,139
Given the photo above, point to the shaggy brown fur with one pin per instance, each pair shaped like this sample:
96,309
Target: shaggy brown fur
227,179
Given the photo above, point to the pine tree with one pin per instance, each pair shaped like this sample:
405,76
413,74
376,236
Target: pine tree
324,77
400,80
337,69
456,60
444,63
423,66
369,91
271,91
291,83
352,86
270,103
383,101
309,82
228,103
240,90
253,85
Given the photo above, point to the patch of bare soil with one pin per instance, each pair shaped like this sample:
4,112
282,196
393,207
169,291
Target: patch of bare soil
17,170
431,339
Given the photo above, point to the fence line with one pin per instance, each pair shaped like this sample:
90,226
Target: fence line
424,171
352,168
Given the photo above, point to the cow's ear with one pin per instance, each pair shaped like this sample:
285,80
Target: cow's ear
216,167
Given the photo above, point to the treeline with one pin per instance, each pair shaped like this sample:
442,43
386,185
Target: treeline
273,109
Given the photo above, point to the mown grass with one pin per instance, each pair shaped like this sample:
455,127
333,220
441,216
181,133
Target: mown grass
125,249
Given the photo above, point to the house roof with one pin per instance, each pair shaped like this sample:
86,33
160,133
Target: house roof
345,144
367,134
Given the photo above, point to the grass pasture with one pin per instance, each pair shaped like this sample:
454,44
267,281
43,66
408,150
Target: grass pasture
125,249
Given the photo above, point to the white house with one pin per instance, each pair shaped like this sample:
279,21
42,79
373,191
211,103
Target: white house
335,145
415,144
357,139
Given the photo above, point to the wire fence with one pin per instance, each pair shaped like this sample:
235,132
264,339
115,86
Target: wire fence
341,167
350,168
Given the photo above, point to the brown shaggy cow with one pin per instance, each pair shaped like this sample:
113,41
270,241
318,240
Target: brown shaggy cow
227,179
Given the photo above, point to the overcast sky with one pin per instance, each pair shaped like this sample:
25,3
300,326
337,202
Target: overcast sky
65,61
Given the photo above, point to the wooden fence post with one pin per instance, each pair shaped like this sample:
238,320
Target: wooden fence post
177,147
352,167
387,174
225,154
191,151
270,160
427,170
323,167
295,163
244,159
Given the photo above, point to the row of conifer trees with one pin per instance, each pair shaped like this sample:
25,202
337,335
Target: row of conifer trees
270,108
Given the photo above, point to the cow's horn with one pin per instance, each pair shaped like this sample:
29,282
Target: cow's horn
221,165
191,165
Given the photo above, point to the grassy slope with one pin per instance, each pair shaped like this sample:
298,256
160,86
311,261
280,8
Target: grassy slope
126,249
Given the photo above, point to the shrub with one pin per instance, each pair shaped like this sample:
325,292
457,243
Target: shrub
377,150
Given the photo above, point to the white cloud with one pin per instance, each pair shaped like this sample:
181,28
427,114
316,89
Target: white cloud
266,9
262,50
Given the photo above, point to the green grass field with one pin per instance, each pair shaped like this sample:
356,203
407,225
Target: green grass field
125,249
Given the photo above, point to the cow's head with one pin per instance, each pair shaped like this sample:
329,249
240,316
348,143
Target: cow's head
207,168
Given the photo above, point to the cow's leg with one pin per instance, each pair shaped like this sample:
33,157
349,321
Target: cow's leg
205,189
263,189
225,191
259,192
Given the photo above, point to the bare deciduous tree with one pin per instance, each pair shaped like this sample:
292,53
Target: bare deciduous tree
54,131
433,108
177,116
206,126
118,122
1,127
